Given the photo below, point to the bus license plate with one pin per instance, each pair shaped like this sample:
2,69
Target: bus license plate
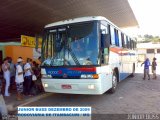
66,87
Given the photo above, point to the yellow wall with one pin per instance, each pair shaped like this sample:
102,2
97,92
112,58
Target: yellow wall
18,51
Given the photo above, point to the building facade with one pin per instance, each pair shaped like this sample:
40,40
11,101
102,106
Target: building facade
149,50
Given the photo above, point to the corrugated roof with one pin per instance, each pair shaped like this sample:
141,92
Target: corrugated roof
30,16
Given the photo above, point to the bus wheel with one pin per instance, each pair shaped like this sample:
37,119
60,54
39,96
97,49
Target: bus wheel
114,83
1,118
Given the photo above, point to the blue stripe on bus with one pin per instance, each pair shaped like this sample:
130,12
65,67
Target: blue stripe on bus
67,71
123,76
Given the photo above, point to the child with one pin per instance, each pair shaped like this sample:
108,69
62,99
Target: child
154,64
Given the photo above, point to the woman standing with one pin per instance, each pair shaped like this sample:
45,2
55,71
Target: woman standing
6,75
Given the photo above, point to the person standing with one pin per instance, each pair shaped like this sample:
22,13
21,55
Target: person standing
12,73
6,75
28,76
154,64
19,79
146,68
1,77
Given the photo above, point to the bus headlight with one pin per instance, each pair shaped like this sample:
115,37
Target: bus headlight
46,76
43,71
90,76
84,76
45,85
91,87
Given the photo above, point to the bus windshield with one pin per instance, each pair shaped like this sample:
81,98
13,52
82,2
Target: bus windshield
71,45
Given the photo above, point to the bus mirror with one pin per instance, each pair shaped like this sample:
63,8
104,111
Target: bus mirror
105,40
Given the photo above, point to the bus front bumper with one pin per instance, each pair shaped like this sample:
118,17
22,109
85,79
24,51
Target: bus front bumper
73,86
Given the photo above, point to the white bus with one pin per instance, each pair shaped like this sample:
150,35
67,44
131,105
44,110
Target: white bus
87,55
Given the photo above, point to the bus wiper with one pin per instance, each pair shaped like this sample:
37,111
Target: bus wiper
73,56
71,52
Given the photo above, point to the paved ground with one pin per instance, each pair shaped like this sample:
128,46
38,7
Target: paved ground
133,95
12,103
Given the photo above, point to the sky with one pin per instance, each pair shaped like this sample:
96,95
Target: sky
147,13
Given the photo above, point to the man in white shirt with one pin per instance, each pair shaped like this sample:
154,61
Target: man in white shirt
19,78
28,77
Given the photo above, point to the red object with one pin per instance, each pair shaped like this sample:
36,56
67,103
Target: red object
93,69
66,87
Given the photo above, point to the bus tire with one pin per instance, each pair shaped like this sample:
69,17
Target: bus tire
1,118
114,83
133,70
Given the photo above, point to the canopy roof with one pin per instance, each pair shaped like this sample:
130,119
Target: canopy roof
28,17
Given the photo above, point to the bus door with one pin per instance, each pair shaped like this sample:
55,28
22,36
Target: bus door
105,44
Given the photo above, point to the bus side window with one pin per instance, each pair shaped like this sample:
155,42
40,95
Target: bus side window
122,39
132,46
116,37
127,40
109,32
112,35
129,44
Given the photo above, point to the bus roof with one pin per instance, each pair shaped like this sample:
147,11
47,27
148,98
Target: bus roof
75,20
82,19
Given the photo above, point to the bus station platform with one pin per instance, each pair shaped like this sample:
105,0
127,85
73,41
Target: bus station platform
12,103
